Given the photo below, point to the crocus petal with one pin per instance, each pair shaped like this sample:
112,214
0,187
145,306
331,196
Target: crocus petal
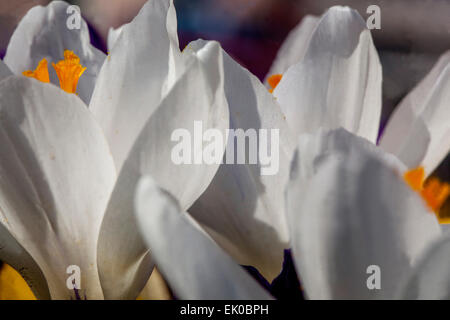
353,212
15,255
430,278
139,70
294,46
194,266
338,83
113,35
242,209
4,70
197,96
56,177
311,147
419,131
43,33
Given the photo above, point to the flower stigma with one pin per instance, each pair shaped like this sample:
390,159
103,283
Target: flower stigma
69,71
433,191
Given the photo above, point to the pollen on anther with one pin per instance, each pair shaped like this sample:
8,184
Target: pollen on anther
433,191
40,73
273,81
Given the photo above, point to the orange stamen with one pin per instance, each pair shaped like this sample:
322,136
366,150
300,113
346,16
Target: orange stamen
40,73
433,191
273,81
415,178
69,71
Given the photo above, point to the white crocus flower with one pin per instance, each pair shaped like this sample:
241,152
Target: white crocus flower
193,264
335,82
43,34
294,47
68,172
348,209
241,209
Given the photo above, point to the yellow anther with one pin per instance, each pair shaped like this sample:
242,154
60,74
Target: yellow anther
13,286
415,178
273,81
69,71
40,73
433,191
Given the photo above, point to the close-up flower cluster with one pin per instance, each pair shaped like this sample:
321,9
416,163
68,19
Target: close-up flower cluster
131,168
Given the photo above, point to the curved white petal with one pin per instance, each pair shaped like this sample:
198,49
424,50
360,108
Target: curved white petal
195,267
198,96
43,33
354,211
4,70
430,279
294,46
419,125
12,253
242,209
338,83
313,147
56,175
113,35
141,67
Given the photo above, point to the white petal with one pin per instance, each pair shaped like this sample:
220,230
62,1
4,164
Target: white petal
56,175
4,70
195,267
243,210
294,46
197,96
338,83
113,35
312,147
430,278
419,125
43,33
15,255
136,75
354,211
156,288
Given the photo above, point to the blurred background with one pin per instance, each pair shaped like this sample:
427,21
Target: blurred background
413,32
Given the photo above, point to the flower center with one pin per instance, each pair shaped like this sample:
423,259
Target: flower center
40,73
273,81
433,191
68,71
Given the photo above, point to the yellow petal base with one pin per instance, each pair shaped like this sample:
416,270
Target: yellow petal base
13,286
